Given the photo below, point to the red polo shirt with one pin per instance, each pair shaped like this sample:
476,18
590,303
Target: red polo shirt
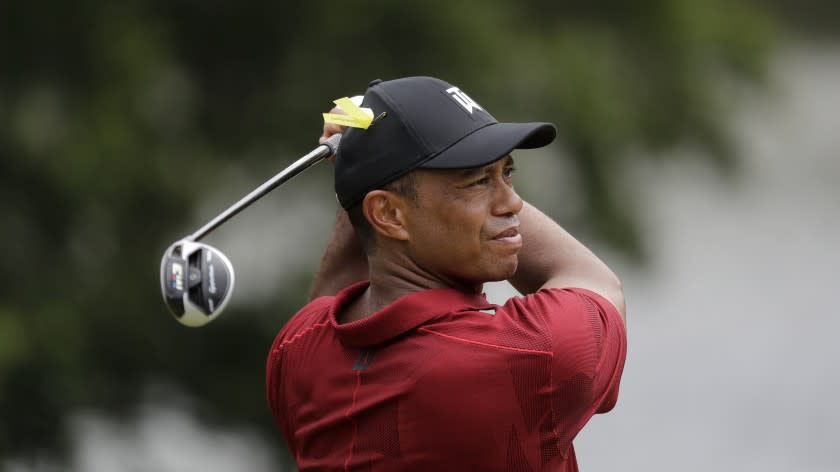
442,380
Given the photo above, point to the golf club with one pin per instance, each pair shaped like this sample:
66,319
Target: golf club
196,280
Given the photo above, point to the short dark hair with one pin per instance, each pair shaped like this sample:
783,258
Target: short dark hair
404,186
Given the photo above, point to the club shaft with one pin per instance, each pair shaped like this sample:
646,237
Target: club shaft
317,155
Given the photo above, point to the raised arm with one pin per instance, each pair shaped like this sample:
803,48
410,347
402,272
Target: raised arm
553,258
344,261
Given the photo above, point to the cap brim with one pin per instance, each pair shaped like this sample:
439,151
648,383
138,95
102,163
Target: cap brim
491,143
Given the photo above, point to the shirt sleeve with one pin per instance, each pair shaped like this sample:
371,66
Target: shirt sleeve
275,372
613,349
588,343
274,389
586,338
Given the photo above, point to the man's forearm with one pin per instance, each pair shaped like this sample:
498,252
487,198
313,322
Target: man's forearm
551,257
344,261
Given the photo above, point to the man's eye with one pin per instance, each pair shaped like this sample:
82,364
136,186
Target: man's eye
509,171
483,181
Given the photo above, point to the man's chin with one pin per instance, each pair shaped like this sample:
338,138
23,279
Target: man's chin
504,272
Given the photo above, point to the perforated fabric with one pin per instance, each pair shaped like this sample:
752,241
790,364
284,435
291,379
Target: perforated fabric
436,381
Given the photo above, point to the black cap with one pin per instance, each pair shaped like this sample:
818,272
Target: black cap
423,122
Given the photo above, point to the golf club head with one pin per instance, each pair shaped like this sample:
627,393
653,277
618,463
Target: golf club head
196,281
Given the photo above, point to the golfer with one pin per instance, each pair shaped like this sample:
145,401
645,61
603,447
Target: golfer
399,362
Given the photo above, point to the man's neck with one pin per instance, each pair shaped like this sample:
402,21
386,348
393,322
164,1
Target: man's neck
390,280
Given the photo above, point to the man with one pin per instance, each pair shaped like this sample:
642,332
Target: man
399,362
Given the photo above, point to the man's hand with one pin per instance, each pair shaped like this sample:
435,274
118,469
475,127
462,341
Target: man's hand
332,128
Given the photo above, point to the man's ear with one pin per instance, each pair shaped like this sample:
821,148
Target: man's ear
386,213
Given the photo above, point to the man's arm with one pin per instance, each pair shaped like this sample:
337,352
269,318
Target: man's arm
344,261
552,258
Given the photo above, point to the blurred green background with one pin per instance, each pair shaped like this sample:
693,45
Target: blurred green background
125,125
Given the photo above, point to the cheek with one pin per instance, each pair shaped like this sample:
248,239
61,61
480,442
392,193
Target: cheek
450,233
460,228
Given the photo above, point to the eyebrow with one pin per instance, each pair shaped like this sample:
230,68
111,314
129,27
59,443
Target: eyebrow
475,171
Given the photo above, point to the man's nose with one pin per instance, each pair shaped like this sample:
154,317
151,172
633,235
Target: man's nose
507,201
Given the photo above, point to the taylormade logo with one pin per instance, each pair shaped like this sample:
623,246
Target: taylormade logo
212,288
177,276
463,99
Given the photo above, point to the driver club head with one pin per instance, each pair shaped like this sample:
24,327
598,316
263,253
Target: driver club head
196,281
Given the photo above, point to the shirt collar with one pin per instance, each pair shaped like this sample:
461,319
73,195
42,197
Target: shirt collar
402,315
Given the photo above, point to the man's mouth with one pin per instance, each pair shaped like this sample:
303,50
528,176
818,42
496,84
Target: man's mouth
508,233
509,236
